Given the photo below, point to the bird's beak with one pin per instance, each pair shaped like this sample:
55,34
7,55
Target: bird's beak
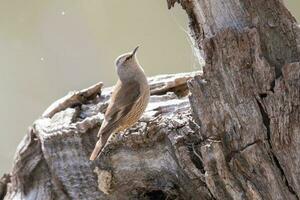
134,51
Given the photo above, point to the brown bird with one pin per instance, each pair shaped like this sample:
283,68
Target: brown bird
128,102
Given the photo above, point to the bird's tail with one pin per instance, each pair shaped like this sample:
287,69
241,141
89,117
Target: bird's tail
97,150
104,136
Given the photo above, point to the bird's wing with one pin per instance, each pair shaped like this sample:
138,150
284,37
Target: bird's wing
123,99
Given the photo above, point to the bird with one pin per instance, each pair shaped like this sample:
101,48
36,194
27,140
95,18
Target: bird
129,100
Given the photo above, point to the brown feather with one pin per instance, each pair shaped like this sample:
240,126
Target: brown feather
123,99
125,96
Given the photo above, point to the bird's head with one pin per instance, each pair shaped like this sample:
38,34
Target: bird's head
127,65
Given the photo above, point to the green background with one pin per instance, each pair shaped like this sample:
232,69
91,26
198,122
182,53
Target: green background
50,47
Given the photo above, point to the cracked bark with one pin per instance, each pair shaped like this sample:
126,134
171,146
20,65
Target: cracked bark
248,97
236,136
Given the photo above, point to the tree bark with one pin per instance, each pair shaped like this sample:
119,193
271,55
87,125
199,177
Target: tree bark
236,136
248,98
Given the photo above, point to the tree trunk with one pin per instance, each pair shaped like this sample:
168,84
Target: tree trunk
247,102
235,137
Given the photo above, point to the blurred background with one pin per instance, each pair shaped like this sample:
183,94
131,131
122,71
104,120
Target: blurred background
50,47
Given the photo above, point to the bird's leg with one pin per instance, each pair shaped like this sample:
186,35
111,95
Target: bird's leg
125,132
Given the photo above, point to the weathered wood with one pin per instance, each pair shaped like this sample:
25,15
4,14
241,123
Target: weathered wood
5,179
247,100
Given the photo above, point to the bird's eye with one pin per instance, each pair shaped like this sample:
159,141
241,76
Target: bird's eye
128,57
